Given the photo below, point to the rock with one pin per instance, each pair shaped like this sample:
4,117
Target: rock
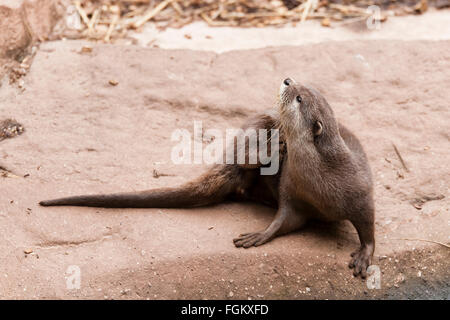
22,23
325,22
130,125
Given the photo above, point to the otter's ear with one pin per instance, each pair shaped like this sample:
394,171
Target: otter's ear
317,128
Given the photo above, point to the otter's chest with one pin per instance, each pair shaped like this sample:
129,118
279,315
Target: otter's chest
315,197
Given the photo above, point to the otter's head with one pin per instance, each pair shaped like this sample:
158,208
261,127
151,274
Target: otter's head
305,115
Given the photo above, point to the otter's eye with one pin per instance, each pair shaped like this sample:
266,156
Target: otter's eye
299,99
318,128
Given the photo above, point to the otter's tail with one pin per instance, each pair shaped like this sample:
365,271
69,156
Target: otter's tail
210,188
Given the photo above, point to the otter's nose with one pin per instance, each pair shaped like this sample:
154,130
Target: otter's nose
288,81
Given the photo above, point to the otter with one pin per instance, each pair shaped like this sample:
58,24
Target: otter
324,174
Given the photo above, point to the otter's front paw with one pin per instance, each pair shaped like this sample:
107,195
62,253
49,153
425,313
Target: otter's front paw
361,259
247,240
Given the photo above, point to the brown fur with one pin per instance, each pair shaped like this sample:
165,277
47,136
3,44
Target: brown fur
324,174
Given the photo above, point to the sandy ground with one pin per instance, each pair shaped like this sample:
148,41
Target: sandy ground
83,135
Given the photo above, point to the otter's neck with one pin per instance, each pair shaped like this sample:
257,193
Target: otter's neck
332,154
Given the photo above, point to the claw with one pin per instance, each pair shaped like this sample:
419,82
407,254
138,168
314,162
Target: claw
364,271
351,264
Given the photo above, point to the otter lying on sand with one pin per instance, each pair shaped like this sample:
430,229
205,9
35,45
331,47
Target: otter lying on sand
324,174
